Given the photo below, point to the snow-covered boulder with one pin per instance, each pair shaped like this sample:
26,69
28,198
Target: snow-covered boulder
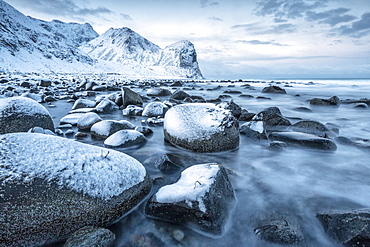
53,186
200,199
125,138
106,106
201,127
83,103
19,114
87,120
132,110
71,118
155,109
105,128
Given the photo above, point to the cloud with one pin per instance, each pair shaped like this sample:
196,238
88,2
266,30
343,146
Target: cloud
208,3
64,8
331,17
357,29
214,18
279,29
258,42
125,17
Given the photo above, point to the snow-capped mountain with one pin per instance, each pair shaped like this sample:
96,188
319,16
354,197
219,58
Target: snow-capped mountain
122,45
36,43
32,45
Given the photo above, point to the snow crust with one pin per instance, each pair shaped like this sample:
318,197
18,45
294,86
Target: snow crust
121,137
71,118
98,172
103,127
193,184
21,105
194,121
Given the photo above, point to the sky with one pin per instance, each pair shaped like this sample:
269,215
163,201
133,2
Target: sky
256,39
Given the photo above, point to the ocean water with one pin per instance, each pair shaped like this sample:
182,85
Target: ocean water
294,183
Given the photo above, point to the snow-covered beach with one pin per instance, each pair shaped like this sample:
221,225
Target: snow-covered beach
280,186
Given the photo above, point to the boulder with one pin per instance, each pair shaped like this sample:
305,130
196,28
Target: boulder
44,83
146,131
106,106
273,89
155,109
125,138
311,127
357,142
201,127
57,186
333,101
87,120
234,108
179,95
304,140
349,228
36,97
158,91
105,128
19,114
200,199
132,110
168,163
130,97
71,119
91,236
83,103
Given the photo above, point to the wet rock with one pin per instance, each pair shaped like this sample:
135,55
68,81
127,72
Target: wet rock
361,106
357,142
158,91
302,109
201,127
155,121
105,128
246,116
47,196
147,240
80,135
130,97
304,140
87,120
83,103
44,83
232,92
274,89
49,98
132,110
350,228
91,236
246,96
253,130
179,95
19,114
334,101
168,163
280,231
155,109
106,106
311,127
270,119
200,199
234,108
26,84
176,84
277,145
125,138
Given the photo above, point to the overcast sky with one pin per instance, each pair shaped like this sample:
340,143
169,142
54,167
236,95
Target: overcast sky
257,39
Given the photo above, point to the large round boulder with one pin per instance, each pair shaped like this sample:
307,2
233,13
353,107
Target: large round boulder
19,114
51,187
201,127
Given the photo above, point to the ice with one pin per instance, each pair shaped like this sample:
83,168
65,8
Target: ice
96,171
193,184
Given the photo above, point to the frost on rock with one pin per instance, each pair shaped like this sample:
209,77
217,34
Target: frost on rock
105,128
71,118
91,170
201,127
124,138
87,120
192,186
155,109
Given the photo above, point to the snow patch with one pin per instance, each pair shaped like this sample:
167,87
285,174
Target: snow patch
21,105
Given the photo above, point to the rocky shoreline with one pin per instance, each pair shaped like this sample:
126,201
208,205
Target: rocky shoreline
64,189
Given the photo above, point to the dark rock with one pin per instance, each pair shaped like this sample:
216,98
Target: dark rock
272,119
277,145
274,89
130,97
168,163
91,236
232,92
106,106
354,141
302,109
89,85
311,127
234,108
261,97
19,114
246,96
176,84
251,131
200,199
56,194
146,131
26,84
132,110
361,106
45,83
49,99
179,95
158,91
351,228
246,116
334,101
304,140
280,231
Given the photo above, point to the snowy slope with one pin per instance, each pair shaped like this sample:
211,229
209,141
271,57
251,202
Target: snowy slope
31,45
28,39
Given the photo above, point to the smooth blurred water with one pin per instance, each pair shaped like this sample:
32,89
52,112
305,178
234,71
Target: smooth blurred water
294,183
